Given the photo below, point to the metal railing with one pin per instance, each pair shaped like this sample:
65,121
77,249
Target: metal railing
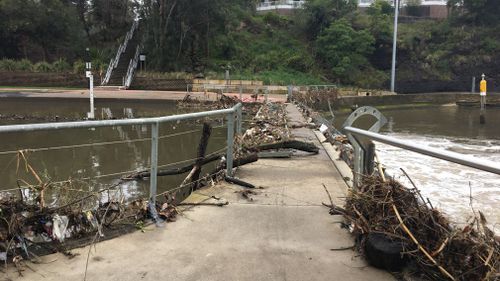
368,3
233,115
365,152
121,49
132,66
281,4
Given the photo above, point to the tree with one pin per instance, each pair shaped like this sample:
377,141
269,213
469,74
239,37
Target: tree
479,12
39,29
344,50
320,13
413,7
109,19
180,33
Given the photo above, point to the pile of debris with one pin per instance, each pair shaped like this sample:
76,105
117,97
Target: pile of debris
222,102
269,125
316,98
29,228
395,226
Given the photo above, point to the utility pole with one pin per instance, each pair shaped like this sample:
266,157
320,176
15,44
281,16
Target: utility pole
395,37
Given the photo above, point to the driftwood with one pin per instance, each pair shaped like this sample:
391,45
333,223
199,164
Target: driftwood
239,182
247,159
293,144
174,171
194,175
177,171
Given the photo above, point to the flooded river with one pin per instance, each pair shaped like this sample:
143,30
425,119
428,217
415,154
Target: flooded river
451,187
62,155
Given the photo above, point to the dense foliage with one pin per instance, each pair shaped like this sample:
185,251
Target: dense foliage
327,41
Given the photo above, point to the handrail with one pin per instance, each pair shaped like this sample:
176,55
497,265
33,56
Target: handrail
470,161
108,72
287,3
111,123
132,66
121,49
230,113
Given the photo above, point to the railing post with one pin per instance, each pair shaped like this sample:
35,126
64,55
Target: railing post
153,174
230,143
239,123
154,162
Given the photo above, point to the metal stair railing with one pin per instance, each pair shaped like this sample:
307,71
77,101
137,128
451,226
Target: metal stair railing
132,66
121,49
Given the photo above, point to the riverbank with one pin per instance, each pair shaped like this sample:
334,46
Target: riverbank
111,93
279,231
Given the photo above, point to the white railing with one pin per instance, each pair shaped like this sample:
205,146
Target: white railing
368,3
282,4
121,49
132,66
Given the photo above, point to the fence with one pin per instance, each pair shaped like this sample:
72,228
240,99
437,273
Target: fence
360,149
233,116
364,162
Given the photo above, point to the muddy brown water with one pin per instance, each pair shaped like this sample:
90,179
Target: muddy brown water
450,186
61,155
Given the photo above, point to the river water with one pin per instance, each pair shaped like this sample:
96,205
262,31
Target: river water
453,188
62,155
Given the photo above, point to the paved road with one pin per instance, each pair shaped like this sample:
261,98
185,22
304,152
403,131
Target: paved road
283,233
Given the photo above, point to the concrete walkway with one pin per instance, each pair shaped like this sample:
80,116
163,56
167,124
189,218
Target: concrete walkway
280,233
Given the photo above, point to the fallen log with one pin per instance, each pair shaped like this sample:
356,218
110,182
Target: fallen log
293,144
202,149
177,171
173,171
240,161
239,182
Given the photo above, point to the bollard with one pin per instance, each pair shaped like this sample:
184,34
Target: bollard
482,93
266,94
289,94
473,89
241,92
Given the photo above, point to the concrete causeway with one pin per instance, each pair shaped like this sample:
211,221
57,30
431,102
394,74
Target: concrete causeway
282,232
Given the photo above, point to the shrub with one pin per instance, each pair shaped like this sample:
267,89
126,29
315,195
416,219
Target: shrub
79,67
7,65
24,65
61,65
299,63
43,66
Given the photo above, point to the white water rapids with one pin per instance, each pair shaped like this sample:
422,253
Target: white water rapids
455,189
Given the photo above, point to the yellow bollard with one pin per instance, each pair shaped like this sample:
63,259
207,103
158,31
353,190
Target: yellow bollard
482,93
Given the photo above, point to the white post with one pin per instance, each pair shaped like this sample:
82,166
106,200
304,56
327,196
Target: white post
91,113
395,37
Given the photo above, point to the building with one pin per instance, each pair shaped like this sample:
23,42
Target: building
436,9
282,7
428,8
